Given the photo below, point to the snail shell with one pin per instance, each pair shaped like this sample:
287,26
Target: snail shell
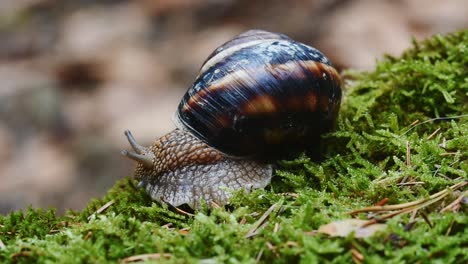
258,96
261,93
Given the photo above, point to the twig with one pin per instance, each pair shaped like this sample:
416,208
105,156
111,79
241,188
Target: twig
403,180
259,256
449,229
275,230
370,222
183,212
272,248
413,216
261,222
424,215
433,134
409,209
454,203
448,153
440,166
144,257
167,226
102,209
410,204
356,255
408,154
410,183
416,123
437,171
215,205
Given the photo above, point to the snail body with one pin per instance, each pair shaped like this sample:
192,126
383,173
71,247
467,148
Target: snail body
257,97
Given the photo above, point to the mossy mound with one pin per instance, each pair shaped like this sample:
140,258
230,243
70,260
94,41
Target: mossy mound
402,136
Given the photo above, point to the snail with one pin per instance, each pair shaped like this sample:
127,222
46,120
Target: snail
257,97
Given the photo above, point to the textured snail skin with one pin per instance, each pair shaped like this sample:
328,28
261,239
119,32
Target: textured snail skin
185,170
258,97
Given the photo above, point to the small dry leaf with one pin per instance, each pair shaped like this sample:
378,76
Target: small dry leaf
345,227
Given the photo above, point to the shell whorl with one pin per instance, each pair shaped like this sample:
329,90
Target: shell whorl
259,93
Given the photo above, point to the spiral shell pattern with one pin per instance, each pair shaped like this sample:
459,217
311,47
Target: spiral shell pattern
262,93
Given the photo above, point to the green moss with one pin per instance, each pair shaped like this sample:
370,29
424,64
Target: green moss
364,161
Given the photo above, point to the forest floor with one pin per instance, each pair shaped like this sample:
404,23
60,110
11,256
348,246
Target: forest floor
390,186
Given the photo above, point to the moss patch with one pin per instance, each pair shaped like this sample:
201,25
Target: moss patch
402,135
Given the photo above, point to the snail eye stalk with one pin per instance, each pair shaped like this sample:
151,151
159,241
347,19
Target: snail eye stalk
141,155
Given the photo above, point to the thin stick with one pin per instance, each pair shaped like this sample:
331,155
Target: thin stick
275,230
406,210
261,221
426,218
416,123
454,203
167,226
413,216
144,257
410,204
183,212
215,205
448,153
410,183
102,209
408,154
433,134
259,256
449,229
356,255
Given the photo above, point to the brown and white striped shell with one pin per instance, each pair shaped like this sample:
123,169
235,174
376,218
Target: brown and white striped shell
260,94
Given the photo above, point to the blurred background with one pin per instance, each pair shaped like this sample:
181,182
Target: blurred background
74,74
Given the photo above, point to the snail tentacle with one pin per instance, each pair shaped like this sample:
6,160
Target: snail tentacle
146,161
137,147
141,155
